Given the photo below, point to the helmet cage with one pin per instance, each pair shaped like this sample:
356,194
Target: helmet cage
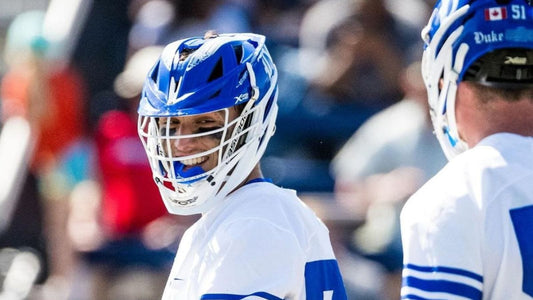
441,78
243,142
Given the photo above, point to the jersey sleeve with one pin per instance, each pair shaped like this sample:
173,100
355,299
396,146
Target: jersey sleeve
441,246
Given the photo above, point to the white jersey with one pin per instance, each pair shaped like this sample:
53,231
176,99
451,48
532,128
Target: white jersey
468,233
262,243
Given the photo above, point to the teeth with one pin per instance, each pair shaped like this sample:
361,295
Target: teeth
194,161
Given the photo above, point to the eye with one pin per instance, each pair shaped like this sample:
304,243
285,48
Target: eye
208,129
210,126
173,125
206,121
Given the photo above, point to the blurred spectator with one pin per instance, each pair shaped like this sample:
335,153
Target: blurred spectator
159,22
340,76
280,21
49,95
384,162
151,19
118,222
364,55
101,52
319,20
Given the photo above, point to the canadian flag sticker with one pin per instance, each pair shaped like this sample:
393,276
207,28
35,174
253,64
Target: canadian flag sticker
495,13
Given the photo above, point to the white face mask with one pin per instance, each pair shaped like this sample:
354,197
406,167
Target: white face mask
197,80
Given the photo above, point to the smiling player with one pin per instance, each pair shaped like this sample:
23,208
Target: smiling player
207,112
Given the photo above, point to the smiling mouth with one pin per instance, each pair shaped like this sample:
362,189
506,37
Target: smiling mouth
194,161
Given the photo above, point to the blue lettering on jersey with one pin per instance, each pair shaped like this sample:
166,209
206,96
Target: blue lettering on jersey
523,225
322,276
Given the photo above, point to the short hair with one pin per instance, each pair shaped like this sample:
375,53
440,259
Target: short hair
490,93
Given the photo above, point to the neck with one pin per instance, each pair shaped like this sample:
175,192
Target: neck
256,173
502,116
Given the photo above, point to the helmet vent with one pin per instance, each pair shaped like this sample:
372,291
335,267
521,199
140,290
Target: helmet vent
238,53
177,84
185,53
155,72
217,71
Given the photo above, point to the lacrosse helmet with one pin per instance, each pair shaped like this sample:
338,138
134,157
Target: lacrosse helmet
200,75
486,41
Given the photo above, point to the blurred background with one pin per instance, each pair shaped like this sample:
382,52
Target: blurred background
79,215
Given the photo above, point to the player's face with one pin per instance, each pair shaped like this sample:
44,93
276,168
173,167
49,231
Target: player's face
190,135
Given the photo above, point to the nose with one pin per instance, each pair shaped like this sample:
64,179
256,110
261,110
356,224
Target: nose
182,143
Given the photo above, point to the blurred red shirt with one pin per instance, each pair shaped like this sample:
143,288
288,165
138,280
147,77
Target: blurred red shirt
130,198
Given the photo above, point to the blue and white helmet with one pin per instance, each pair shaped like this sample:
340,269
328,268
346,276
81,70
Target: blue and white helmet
458,34
201,75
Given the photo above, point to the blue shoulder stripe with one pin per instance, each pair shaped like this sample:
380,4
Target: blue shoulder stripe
440,269
324,276
443,286
262,295
415,297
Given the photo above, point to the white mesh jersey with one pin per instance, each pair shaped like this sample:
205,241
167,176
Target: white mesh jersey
468,233
262,243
